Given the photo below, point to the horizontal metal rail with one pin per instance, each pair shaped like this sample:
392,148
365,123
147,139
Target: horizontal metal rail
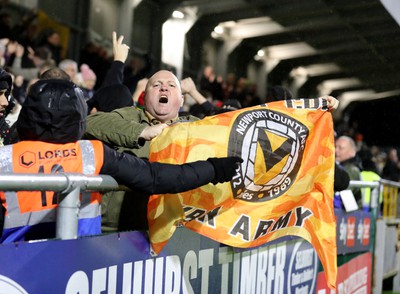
363,184
56,182
69,185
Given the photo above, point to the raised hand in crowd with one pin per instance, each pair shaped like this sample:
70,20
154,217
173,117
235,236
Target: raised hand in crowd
333,103
120,50
11,46
189,87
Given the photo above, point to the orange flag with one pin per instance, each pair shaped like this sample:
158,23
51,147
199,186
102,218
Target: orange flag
283,187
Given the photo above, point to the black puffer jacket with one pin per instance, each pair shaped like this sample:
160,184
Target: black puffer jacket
155,178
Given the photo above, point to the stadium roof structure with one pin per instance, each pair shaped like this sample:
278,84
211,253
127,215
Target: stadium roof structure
349,49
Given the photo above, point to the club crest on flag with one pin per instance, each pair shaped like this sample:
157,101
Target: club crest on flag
271,145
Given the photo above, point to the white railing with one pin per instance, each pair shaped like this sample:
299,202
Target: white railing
69,185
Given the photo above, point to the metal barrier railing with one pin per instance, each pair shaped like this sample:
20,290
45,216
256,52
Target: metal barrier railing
69,185
390,191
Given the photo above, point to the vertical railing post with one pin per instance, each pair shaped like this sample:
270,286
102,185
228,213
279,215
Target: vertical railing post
375,212
68,186
67,215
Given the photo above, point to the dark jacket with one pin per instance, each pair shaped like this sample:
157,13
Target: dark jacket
155,178
112,94
391,171
342,178
352,167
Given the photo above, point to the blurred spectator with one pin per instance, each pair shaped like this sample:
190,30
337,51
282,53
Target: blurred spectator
19,89
86,79
7,103
345,152
229,105
39,57
203,107
211,83
25,33
251,98
25,30
110,98
97,59
277,93
50,39
3,51
241,90
139,67
138,95
228,85
5,25
391,170
113,94
369,173
71,68
379,157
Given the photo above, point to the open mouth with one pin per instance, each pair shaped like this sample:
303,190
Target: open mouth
163,99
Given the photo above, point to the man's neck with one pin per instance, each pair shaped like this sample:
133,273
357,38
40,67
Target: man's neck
155,121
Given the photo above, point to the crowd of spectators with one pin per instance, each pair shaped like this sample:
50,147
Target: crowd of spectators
364,163
27,53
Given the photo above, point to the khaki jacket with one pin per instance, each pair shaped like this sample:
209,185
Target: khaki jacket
121,129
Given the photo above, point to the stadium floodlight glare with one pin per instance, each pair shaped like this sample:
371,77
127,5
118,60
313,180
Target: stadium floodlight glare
219,30
178,14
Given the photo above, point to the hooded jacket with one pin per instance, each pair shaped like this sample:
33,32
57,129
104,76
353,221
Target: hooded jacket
55,112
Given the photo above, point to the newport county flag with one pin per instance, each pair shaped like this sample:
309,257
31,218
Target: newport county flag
283,187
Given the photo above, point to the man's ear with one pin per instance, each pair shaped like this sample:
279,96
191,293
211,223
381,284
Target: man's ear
182,100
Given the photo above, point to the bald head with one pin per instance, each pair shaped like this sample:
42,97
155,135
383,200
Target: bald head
345,148
163,96
164,75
